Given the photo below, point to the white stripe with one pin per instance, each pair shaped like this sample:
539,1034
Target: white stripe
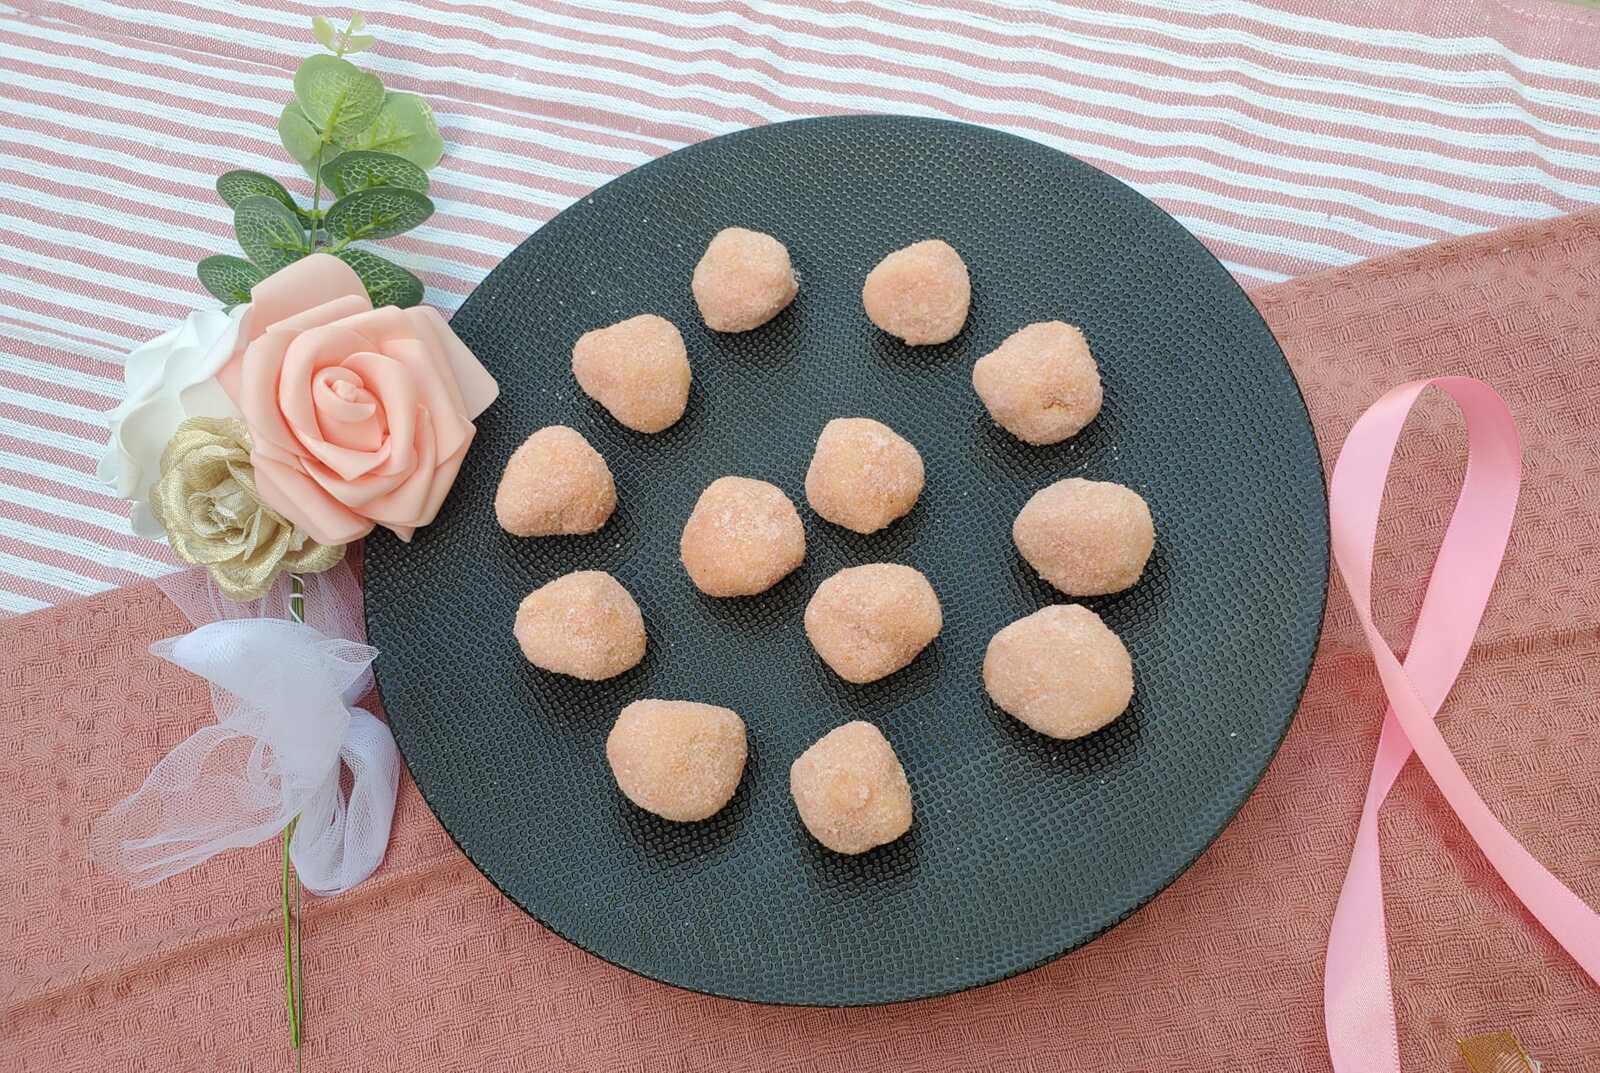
50,471
45,372
46,574
14,603
1265,274
53,407
114,558
112,340
118,524
49,437
80,347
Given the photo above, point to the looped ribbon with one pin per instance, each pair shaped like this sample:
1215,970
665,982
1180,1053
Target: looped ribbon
1358,1003
286,733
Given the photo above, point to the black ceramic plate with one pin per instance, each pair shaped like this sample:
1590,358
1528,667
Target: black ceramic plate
1023,848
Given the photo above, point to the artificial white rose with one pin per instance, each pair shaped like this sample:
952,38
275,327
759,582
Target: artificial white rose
170,378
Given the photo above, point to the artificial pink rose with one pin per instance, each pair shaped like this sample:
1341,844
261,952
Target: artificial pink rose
357,416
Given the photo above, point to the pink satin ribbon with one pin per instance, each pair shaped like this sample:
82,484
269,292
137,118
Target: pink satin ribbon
1358,1004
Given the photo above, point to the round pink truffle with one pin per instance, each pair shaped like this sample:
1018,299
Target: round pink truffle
677,759
584,624
1060,670
863,474
850,789
742,538
744,280
638,370
555,483
920,294
1085,537
1041,385
866,622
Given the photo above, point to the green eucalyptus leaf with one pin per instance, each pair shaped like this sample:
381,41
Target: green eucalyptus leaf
269,232
324,32
235,186
358,22
363,169
229,278
358,43
379,213
300,139
337,97
405,127
387,283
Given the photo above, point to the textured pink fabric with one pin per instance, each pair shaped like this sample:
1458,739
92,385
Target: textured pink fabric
1289,135
426,967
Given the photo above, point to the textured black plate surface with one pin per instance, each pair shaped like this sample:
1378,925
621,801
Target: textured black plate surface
1023,848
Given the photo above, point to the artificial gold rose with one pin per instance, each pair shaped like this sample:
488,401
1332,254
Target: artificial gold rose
206,500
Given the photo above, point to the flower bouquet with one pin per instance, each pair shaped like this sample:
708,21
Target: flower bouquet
262,440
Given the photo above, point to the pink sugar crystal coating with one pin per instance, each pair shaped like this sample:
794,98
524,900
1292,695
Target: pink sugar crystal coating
863,474
742,537
1060,670
920,294
1086,537
638,370
583,624
867,622
1041,385
850,789
555,483
743,280
676,758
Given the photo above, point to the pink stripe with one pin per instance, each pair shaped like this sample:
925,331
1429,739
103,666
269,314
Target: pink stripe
43,452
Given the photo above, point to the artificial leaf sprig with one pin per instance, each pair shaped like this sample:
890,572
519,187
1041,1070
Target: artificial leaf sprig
367,147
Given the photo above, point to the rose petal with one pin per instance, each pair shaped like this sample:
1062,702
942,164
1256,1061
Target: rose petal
444,477
435,393
324,312
407,504
476,387
347,413
396,390
357,493
256,390
298,498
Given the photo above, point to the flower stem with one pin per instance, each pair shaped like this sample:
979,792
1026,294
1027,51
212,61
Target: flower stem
293,978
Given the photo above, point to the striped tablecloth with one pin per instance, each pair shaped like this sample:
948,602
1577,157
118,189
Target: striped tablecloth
1290,138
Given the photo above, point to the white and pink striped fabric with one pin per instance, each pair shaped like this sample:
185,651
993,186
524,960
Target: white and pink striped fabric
1290,138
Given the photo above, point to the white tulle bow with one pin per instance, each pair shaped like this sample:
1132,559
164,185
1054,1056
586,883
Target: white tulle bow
286,729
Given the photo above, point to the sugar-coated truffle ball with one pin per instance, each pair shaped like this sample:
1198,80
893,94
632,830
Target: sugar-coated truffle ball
863,474
1061,671
1086,537
850,789
583,624
869,621
743,537
638,370
920,294
555,484
676,758
743,281
1041,385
